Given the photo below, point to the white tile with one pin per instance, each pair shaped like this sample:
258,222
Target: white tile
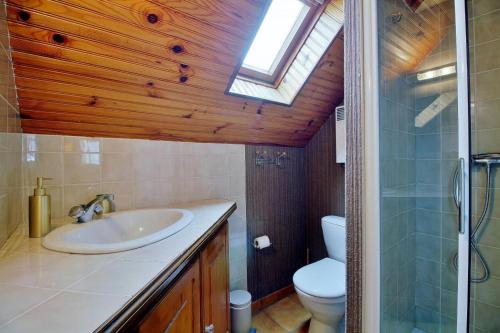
55,271
120,278
17,299
68,312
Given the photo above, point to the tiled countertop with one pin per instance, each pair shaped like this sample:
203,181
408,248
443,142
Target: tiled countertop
46,291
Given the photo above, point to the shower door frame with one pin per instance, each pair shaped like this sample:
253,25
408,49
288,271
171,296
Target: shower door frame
463,101
371,197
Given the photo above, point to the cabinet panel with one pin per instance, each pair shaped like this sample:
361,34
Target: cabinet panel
179,311
215,284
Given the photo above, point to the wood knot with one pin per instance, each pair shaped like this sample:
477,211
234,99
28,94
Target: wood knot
58,38
24,15
183,79
177,48
93,101
188,116
310,123
150,84
152,18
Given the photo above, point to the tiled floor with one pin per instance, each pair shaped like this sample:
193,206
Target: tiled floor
285,316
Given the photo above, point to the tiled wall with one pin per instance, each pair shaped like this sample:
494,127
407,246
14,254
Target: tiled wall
325,188
10,140
484,42
397,181
436,156
397,167
141,173
276,207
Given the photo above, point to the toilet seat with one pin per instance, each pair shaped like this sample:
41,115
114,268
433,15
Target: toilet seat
324,280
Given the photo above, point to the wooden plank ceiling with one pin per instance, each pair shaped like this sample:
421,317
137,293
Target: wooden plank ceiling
409,35
155,69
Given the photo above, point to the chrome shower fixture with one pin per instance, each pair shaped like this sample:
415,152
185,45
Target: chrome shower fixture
489,160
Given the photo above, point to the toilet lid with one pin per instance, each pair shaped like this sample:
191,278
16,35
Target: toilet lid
324,278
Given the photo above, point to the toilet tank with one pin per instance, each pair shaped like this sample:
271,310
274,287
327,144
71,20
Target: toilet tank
334,236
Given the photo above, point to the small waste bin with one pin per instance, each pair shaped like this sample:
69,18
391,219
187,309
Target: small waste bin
241,311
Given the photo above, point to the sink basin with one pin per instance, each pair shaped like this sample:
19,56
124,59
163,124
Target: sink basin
119,231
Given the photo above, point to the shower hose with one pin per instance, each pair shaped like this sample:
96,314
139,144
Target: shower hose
476,235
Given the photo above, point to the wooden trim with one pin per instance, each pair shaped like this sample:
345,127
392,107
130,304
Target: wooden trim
272,298
353,69
134,311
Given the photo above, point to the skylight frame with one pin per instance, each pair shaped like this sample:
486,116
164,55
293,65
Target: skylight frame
288,51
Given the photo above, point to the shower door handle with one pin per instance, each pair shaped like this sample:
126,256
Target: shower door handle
460,195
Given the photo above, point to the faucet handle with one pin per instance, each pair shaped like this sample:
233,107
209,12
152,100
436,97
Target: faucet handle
98,209
76,211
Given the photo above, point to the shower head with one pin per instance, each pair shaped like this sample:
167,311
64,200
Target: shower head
488,158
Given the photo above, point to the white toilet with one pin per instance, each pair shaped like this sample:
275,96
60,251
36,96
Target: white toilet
321,285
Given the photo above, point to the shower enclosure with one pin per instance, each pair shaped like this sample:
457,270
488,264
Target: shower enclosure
438,93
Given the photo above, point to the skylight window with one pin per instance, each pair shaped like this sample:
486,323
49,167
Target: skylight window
292,38
276,33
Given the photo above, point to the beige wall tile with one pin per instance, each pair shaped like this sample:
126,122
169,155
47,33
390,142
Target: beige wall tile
43,165
117,167
42,143
77,144
146,194
112,145
124,194
82,168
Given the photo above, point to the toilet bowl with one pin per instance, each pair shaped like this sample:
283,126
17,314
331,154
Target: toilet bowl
321,285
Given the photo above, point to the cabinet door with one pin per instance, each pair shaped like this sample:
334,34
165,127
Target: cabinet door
179,311
215,284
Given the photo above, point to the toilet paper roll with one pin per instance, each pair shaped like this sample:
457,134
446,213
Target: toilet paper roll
261,242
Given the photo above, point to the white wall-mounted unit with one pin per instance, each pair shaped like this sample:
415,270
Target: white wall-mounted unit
340,133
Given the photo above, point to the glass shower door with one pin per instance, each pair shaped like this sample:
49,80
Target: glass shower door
424,162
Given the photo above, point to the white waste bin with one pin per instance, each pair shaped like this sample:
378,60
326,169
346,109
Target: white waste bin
241,311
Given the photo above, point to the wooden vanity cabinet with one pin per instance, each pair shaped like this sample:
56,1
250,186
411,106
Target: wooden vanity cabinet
179,310
199,299
215,284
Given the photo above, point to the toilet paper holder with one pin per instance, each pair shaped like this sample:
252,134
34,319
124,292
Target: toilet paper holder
261,242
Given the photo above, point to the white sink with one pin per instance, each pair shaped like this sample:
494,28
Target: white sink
119,231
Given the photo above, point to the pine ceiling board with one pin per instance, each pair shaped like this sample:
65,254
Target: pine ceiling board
227,14
146,96
99,129
193,54
177,109
108,68
408,39
135,112
212,51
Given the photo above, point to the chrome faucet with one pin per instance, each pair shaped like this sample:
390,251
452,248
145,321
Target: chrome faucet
103,203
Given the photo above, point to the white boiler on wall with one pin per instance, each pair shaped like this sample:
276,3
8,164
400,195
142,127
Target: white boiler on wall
340,133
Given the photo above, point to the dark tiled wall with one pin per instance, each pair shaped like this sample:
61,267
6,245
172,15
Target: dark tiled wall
325,193
10,140
275,207
287,204
484,42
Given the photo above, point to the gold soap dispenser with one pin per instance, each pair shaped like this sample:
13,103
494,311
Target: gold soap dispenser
39,210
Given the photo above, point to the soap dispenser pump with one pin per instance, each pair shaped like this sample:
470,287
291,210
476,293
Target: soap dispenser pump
39,210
